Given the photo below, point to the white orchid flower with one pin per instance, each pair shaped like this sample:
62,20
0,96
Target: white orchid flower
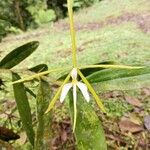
74,84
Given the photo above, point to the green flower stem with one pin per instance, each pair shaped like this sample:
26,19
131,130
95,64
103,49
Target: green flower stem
37,75
98,101
72,31
53,101
111,66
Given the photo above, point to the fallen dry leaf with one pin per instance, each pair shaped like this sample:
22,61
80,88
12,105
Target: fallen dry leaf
133,101
126,125
8,134
147,122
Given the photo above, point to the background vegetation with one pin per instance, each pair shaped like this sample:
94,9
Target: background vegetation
25,14
107,30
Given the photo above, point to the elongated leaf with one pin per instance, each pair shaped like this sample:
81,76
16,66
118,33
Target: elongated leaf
43,120
18,55
39,68
89,132
128,83
23,107
110,74
115,79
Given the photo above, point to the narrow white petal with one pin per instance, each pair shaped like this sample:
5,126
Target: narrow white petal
65,90
84,90
75,106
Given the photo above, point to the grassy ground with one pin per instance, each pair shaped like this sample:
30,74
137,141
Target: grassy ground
109,30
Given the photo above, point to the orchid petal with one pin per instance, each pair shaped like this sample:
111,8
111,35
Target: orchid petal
84,90
75,106
65,90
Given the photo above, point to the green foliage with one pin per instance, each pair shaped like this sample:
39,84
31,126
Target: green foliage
83,3
15,13
89,132
37,139
23,14
113,39
4,25
39,12
117,79
9,61
43,120
23,107
18,55
45,16
110,74
88,124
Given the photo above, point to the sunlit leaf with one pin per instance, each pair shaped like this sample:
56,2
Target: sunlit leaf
89,133
110,74
23,107
43,120
18,55
120,79
128,83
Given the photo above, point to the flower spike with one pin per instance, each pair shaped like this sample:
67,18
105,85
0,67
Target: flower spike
37,75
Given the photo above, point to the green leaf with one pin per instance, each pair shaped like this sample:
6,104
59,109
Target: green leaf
128,83
30,92
89,133
43,120
23,107
18,55
121,79
39,68
110,74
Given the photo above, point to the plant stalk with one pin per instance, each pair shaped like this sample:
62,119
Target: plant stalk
72,31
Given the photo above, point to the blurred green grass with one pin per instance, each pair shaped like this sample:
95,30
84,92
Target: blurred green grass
124,42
